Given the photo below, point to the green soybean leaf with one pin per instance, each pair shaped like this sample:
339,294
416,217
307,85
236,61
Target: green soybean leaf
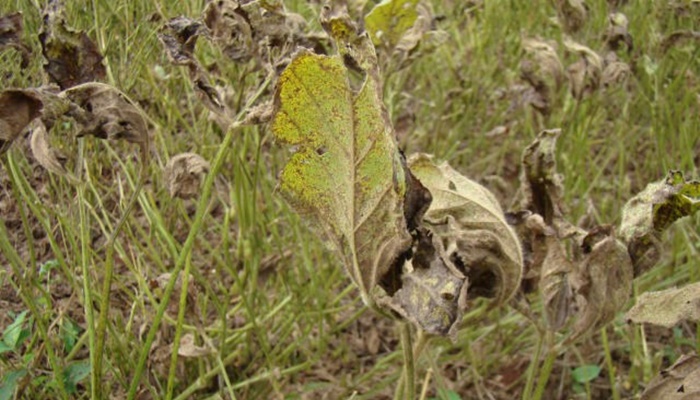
10,382
585,373
346,176
15,333
75,373
390,20
653,210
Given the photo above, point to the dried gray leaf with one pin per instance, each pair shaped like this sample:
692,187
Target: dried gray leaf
584,75
184,174
10,36
541,68
572,14
44,154
189,349
681,381
18,108
667,307
616,72
471,226
616,33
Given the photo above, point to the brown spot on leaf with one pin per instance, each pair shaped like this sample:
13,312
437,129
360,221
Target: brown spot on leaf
17,109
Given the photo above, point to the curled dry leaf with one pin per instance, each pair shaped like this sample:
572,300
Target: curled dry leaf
616,72
616,33
554,284
45,155
390,20
421,39
72,57
602,282
572,14
471,228
17,109
184,175
104,112
667,307
189,349
681,381
585,74
10,36
540,67
179,37
653,210
677,37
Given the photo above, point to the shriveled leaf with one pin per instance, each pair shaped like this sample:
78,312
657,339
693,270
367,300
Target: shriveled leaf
10,36
653,210
585,74
189,349
421,39
45,155
540,67
667,307
72,57
17,109
179,37
572,14
471,227
681,381
678,37
346,176
107,114
554,285
616,33
184,174
602,283
390,20
615,72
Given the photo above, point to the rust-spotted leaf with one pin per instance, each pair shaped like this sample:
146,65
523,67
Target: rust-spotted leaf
390,20
346,176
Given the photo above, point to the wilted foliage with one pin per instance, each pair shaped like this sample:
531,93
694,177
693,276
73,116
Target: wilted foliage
10,36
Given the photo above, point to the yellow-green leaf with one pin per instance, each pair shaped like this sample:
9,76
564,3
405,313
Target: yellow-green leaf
346,176
389,20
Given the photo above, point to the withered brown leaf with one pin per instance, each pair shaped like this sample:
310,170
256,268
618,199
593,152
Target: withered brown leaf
681,381
17,109
106,113
71,56
184,174
602,283
616,33
44,154
541,68
572,14
10,36
586,73
667,307
470,225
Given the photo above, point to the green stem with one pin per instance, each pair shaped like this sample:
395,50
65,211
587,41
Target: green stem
609,364
546,370
87,294
178,328
406,387
202,207
532,371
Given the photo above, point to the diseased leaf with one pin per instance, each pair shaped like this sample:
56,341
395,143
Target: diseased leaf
585,74
10,36
540,67
46,156
572,14
17,109
681,381
615,72
106,113
421,39
470,225
72,57
616,32
390,20
346,176
555,288
678,37
667,307
184,175
602,283
653,210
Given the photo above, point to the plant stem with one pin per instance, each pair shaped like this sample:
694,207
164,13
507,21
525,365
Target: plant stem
197,222
546,370
406,387
532,371
609,364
